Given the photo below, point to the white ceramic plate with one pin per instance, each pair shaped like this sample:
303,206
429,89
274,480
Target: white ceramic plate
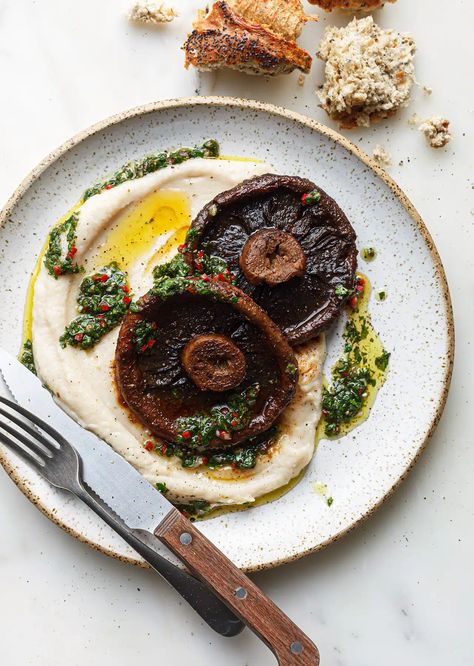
414,323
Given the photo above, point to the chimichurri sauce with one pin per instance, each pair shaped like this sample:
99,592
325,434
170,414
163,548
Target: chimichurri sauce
360,371
104,299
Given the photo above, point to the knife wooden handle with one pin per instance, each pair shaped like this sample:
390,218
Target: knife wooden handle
289,644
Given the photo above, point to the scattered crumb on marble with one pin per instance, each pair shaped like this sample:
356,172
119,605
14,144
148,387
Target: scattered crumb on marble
369,72
436,131
320,488
148,11
414,120
427,90
382,156
301,79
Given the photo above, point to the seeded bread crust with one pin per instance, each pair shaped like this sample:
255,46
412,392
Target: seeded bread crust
224,39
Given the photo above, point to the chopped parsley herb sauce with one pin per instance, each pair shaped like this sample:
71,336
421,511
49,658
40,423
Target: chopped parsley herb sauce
196,509
382,361
243,456
145,336
176,277
352,377
103,301
381,295
26,356
199,431
311,198
59,256
162,487
151,163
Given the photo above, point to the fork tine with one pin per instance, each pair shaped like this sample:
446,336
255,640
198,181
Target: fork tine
36,434
20,451
32,445
37,421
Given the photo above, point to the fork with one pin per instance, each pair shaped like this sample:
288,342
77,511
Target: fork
57,461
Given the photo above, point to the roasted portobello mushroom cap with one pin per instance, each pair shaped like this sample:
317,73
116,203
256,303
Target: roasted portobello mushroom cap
204,366
290,246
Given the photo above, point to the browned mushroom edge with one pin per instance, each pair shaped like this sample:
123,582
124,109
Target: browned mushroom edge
304,305
160,393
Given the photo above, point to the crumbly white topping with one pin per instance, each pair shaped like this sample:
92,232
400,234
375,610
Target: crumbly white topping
369,72
436,130
147,11
382,156
301,79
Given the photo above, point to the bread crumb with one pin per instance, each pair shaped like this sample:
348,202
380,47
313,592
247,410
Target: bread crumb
301,79
414,120
147,11
369,72
382,156
436,131
427,90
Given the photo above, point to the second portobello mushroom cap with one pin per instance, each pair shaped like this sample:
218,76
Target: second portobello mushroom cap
290,246
202,365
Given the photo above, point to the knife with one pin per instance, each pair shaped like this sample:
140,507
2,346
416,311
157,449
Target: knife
29,393
148,514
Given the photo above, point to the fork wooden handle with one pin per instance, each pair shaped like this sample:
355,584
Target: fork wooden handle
289,644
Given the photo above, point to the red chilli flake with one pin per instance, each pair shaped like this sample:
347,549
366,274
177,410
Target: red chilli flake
126,288
126,300
57,270
78,337
103,278
149,446
104,307
109,186
186,434
182,248
204,460
353,302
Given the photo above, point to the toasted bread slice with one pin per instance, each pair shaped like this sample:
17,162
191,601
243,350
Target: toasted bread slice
284,18
364,5
222,38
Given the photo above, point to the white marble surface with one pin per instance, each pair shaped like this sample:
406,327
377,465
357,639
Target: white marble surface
400,589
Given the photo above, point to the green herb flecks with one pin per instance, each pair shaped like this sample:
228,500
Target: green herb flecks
59,256
26,356
342,292
291,369
382,361
104,299
145,336
311,198
201,430
151,163
241,456
179,275
162,487
196,509
329,501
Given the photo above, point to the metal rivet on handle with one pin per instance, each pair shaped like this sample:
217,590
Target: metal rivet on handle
185,538
296,648
240,593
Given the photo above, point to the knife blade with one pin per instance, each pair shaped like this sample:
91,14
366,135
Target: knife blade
117,483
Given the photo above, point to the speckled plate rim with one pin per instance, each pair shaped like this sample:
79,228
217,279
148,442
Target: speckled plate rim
251,105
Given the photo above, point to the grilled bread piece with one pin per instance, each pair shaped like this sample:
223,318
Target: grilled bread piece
222,38
364,5
284,18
